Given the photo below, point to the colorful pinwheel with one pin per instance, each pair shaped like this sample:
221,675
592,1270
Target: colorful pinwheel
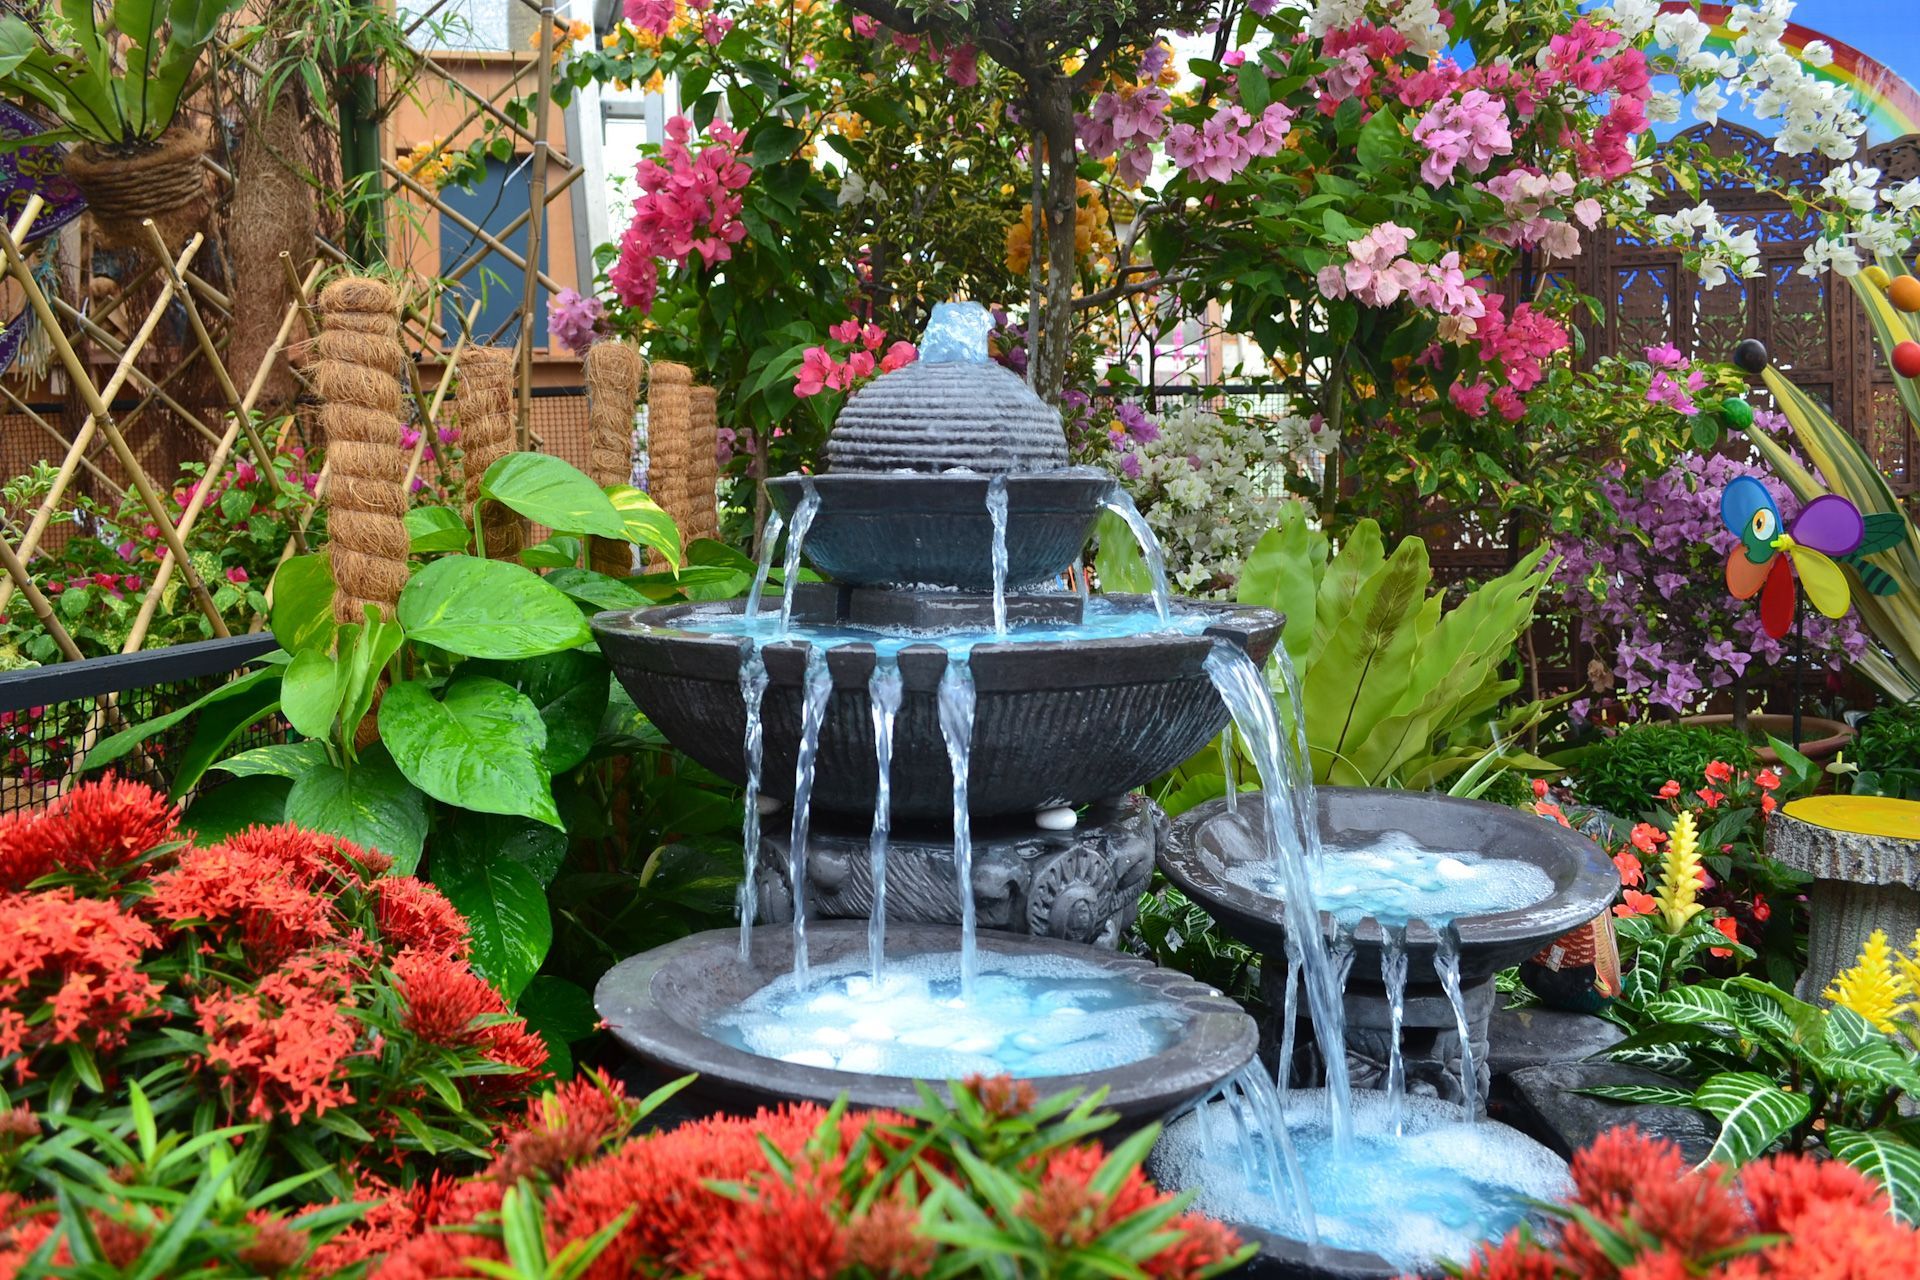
1826,527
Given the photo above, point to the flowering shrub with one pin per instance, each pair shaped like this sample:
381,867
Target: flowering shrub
1652,592
1639,1212
276,978
860,357
690,205
799,1191
1883,986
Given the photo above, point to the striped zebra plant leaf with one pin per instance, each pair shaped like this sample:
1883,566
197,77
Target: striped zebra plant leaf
1888,1161
1753,1111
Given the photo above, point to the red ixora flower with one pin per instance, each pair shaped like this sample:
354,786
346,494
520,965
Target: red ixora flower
282,1048
96,827
412,913
235,890
450,1005
77,958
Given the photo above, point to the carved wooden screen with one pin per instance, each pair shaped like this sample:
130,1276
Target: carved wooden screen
1811,325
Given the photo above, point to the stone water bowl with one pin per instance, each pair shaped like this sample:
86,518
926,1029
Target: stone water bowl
875,530
1056,723
1200,849
657,1003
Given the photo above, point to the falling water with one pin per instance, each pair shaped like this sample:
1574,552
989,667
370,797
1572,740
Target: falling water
802,521
816,687
1256,1144
956,726
1280,1142
1237,678
753,687
1229,769
1118,502
997,512
769,540
1393,969
883,695
1306,805
1446,964
1289,1018
1080,577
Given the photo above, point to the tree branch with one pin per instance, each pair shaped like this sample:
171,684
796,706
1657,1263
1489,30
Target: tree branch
1124,289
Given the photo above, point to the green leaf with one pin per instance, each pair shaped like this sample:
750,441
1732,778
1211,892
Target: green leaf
1701,1005
232,807
540,848
480,748
1380,140
1641,1094
434,529
1888,1161
1754,1113
489,609
597,589
645,523
310,693
559,1012
506,910
561,551
247,687
302,616
772,143
373,805
569,689
1118,560
551,491
277,760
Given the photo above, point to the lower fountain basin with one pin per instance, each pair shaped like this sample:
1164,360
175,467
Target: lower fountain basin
661,1004
891,529
1059,721
1208,850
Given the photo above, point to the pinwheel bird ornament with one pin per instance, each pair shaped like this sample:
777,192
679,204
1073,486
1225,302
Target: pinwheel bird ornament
1828,527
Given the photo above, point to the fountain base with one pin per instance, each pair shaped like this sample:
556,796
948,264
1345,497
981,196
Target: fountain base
1079,885
1429,1035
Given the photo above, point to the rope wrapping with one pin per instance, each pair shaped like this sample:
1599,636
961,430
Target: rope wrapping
614,372
485,405
670,444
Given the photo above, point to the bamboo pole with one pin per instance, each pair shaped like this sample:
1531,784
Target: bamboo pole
37,527
432,413
152,390
468,225
90,395
27,411
17,574
537,223
241,406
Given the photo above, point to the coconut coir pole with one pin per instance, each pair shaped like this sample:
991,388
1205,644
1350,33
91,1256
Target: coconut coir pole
485,406
613,385
357,374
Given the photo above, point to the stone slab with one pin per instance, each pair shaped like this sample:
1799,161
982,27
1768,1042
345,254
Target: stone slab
1534,1037
1547,1106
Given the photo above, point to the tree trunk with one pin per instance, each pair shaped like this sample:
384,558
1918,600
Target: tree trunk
1053,117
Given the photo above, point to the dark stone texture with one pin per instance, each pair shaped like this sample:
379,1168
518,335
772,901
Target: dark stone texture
1082,885
1547,1108
934,530
956,610
1066,723
1751,355
1534,1037
656,1003
1198,852
932,416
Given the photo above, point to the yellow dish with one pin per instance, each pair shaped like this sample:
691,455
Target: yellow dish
1862,815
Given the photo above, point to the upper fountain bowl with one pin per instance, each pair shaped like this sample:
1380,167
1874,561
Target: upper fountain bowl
1205,846
924,530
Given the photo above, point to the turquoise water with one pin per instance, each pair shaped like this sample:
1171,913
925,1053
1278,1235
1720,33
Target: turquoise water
1028,1016
1104,620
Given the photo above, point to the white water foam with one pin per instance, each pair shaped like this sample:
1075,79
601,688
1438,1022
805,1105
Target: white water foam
1394,878
1431,1195
1029,1016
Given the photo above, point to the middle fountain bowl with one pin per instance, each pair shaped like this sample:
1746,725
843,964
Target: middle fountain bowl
1056,723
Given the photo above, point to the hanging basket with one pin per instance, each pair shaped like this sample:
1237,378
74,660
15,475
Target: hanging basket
124,185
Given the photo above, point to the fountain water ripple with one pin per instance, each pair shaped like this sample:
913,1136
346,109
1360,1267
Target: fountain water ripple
956,699
816,688
1028,1016
753,688
1244,690
884,689
1434,1193
802,521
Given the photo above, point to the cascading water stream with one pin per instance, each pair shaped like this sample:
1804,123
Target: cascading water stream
1257,1142
997,512
802,521
753,688
1229,769
1393,970
1289,1018
956,699
1121,504
1306,804
1241,686
883,693
769,542
816,687
1446,965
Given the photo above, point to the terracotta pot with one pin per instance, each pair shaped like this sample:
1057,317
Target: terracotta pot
125,185
1820,739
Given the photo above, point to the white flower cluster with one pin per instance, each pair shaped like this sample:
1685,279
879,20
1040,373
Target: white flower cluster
1210,486
1723,251
1419,22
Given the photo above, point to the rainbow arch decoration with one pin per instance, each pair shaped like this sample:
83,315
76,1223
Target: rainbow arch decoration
1890,104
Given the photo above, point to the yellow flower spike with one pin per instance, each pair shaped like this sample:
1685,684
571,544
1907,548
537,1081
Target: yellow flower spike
1871,988
1907,968
1677,899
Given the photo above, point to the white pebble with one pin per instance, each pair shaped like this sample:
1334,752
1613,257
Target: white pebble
1061,819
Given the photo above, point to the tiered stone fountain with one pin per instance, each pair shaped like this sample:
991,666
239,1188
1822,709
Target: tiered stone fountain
938,745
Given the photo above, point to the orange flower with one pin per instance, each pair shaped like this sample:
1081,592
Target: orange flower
1728,927
282,1048
1766,780
1762,910
1645,836
1631,872
78,958
1768,804
96,827
412,913
236,890
1635,903
1669,789
1718,771
1709,797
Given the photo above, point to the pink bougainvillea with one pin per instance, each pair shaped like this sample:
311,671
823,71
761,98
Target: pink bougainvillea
690,204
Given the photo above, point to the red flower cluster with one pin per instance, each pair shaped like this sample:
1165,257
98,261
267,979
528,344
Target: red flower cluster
69,974
1787,1217
95,828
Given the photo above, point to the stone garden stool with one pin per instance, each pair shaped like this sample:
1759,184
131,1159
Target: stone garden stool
1863,853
